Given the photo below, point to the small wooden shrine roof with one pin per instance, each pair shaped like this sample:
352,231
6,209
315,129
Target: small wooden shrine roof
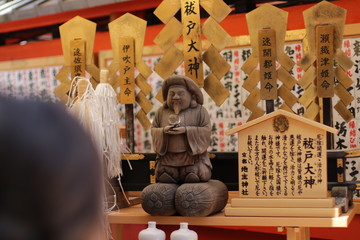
286,114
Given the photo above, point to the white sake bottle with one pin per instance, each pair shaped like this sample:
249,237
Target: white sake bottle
184,233
152,233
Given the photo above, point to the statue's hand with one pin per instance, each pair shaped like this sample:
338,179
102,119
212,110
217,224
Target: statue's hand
174,130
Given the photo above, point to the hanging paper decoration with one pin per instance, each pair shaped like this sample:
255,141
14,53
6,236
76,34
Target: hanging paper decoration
110,119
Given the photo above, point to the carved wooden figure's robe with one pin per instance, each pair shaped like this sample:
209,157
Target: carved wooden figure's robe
187,150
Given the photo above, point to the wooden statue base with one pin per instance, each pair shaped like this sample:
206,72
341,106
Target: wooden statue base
283,207
188,199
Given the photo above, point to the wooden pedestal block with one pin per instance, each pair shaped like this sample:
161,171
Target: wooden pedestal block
282,212
283,203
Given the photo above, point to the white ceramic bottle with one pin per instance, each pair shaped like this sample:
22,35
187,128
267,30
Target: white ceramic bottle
184,233
151,233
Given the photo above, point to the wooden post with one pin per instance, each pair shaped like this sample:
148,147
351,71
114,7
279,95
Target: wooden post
298,233
129,126
327,113
269,106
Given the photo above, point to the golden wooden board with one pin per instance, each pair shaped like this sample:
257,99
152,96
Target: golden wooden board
307,61
343,78
141,82
285,61
324,62
215,34
169,62
285,107
167,9
218,9
78,58
343,111
308,77
216,62
256,113
252,80
127,25
78,28
250,64
190,17
143,119
308,96
267,16
253,99
343,94
62,90
94,71
324,13
312,111
267,62
113,69
286,78
159,97
344,61
126,58
169,34
63,73
215,89
144,69
144,103
287,96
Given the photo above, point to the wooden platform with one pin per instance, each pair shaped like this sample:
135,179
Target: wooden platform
136,215
282,212
283,203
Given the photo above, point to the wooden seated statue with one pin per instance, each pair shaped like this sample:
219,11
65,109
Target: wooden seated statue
181,136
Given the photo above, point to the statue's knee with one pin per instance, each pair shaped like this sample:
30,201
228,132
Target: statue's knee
166,178
166,174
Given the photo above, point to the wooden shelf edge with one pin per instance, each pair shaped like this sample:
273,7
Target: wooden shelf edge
135,215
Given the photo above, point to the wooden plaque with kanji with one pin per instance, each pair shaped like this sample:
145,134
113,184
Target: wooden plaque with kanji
282,155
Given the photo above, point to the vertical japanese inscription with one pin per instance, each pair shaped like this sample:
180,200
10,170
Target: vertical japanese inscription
190,14
77,64
127,62
267,61
324,62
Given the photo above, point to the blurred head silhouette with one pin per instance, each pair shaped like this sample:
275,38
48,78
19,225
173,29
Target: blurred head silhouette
50,174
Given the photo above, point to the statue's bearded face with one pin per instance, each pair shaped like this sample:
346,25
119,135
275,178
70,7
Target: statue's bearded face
178,98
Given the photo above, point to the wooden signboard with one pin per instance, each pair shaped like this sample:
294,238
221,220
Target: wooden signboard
282,155
325,59
77,64
127,62
267,62
190,14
